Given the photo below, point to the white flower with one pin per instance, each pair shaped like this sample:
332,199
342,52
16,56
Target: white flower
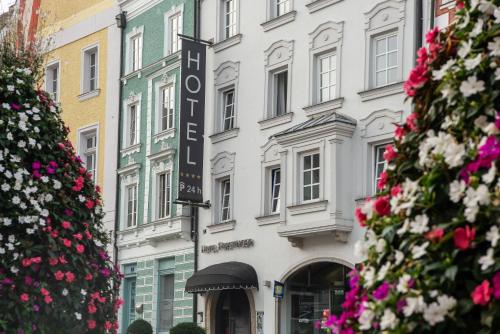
496,13
44,179
30,231
21,144
486,7
487,260
6,106
83,292
381,245
404,228
471,86
57,184
78,316
494,47
64,292
470,213
497,74
448,93
457,189
9,136
5,187
44,213
361,249
472,63
447,302
419,251
493,236
434,314
16,200
383,271
419,226
399,255
365,319
403,283
2,250
490,176
478,28
439,74
464,49
389,320
81,198
483,194
368,273
10,88
414,305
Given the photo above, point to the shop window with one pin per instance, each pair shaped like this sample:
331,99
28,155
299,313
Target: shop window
129,290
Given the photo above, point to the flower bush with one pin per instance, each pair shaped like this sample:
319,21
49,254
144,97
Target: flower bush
432,239
55,273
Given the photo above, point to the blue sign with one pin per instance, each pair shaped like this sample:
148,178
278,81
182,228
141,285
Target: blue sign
279,290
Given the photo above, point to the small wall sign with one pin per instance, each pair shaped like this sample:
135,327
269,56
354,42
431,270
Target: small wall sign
227,246
279,290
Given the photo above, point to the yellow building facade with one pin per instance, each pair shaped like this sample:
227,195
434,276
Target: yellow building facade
82,73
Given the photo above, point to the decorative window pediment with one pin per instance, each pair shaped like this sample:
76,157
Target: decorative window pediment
380,122
385,13
326,34
222,163
279,52
226,72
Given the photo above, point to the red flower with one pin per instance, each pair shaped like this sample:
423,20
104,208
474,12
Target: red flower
435,235
82,170
66,224
67,242
395,190
430,37
496,285
389,153
383,180
91,324
460,4
54,234
91,308
88,277
80,248
53,261
410,121
25,297
78,236
417,77
62,259
26,262
37,259
482,293
47,299
422,55
108,325
70,277
59,275
89,204
360,216
399,132
463,237
44,292
382,206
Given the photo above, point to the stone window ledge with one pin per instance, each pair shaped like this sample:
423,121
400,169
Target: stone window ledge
269,219
383,91
89,95
279,21
226,43
308,207
324,107
130,150
169,133
221,136
275,121
221,227
315,5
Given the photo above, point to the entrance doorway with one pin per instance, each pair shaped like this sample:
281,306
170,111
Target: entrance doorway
232,314
308,292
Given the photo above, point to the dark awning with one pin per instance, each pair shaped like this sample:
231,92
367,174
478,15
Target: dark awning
227,275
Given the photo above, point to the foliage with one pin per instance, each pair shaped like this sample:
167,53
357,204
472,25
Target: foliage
432,240
187,328
55,274
140,326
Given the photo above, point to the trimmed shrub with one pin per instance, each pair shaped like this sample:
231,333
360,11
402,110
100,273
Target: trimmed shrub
187,328
140,326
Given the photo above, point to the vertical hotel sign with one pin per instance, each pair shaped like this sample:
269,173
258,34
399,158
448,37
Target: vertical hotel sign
192,120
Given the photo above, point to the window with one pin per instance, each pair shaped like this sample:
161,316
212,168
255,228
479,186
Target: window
280,89
310,177
165,294
136,53
229,18
132,125
90,70
175,27
379,164
385,57
225,196
131,202
167,94
228,109
89,153
275,190
52,81
327,77
282,7
129,288
163,195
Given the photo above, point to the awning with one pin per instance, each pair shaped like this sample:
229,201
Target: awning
222,276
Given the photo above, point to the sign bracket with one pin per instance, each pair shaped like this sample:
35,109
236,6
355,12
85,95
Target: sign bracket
204,205
194,39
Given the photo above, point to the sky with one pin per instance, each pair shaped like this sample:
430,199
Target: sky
5,4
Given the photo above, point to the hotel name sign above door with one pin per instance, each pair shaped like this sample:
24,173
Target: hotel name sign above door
226,246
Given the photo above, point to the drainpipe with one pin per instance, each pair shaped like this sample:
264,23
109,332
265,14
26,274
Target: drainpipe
121,22
433,13
419,25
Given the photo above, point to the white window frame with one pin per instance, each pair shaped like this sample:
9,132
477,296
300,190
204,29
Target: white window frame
135,33
325,40
223,197
133,99
225,106
129,176
171,103
276,64
83,134
176,10
135,206
274,87
319,74
302,157
276,4
158,204
222,169
273,197
385,54
393,14
226,78
374,167
298,152
222,23
132,141
85,69
49,79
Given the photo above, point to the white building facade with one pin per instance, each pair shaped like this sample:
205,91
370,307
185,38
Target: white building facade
302,97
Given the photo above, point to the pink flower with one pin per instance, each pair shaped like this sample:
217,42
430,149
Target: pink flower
382,206
410,121
417,77
89,204
435,235
78,236
360,216
463,237
382,291
395,190
44,292
15,106
91,324
36,165
399,132
25,297
88,277
482,293
66,224
62,259
59,275
70,277
80,248
108,325
53,261
47,299
460,4
430,37
389,153
422,55
91,308
36,259
382,181
26,262
36,174
496,285
67,242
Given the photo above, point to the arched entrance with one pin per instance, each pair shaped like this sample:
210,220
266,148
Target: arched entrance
232,313
308,292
